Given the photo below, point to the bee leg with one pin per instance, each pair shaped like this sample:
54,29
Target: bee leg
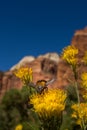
44,89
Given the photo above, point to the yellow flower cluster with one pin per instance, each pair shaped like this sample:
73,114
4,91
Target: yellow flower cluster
19,127
80,113
84,80
85,96
84,85
69,54
25,74
85,58
49,104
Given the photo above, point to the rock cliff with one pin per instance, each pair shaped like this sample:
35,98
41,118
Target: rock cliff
44,67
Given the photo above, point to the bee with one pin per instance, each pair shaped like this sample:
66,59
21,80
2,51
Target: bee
41,85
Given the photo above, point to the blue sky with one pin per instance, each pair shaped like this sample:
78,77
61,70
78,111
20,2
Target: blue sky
34,27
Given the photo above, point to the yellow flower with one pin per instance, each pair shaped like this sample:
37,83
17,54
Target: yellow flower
51,103
85,58
25,74
84,80
85,96
80,113
69,55
19,127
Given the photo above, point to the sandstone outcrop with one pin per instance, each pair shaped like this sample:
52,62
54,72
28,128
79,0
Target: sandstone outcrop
44,67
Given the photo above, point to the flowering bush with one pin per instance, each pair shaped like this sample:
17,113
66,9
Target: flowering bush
41,108
79,114
69,54
25,74
50,105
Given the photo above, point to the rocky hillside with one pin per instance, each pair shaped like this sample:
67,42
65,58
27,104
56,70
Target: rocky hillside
47,66
44,67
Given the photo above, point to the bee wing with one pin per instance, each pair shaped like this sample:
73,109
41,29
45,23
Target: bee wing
50,81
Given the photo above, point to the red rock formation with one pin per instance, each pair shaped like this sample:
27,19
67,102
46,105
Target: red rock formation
80,41
48,66
43,68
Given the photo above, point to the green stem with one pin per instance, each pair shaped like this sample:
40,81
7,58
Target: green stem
77,92
78,97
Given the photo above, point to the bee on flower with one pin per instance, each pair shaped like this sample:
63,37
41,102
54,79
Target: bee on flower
42,85
49,104
49,107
